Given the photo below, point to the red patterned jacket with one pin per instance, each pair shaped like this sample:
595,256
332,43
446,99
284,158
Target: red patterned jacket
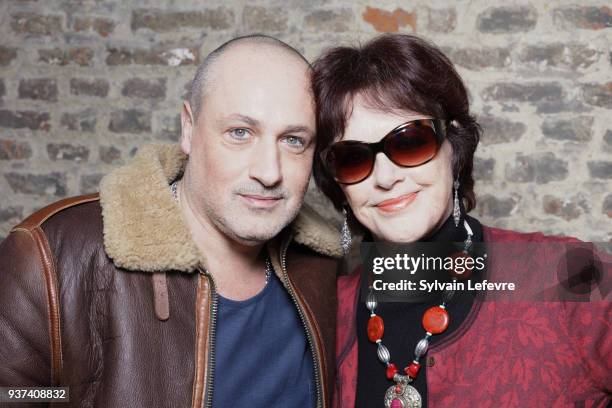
504,354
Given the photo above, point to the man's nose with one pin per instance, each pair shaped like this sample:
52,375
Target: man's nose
265,165
386,173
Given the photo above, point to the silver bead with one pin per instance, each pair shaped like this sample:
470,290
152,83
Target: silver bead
467,243
371,302
421,347
383,354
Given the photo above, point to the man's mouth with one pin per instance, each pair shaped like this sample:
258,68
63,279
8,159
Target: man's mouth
261,201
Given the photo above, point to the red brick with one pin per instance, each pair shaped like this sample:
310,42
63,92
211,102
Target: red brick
36,24
103,26
12,150
80,56
389,22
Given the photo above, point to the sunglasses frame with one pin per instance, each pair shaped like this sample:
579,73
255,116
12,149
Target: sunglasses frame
377,147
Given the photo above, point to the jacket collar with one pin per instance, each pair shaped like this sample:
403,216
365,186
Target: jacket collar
143,226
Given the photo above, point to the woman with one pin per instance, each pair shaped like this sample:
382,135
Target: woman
395,153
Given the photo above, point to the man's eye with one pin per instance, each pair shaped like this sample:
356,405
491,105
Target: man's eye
239,133
295,141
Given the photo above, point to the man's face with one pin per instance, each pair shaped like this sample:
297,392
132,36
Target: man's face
251,150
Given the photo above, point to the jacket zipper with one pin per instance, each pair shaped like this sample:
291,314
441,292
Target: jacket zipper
213,324
313,346
208,392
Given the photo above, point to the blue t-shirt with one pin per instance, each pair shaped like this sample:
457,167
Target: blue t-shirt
262,356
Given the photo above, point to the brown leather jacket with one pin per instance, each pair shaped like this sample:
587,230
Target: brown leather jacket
107,294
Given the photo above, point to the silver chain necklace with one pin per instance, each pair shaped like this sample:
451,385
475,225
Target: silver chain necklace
173,188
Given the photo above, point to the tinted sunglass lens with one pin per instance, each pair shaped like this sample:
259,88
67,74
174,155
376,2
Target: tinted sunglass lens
412,146
351,162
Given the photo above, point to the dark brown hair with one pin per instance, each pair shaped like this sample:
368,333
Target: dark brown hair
394,72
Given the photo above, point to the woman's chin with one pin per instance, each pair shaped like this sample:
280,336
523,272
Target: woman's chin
399,231
398,238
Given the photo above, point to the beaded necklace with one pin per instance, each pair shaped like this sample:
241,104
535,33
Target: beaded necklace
435,321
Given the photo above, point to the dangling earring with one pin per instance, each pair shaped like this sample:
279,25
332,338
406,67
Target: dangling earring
456,209
345,234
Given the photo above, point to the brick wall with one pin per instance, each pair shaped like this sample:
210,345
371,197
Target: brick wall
83,83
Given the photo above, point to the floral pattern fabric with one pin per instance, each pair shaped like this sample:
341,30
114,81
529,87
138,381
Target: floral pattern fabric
506,353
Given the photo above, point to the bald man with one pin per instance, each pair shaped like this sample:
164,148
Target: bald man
195,277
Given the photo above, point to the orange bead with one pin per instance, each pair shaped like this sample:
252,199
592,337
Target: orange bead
435,320
391,371
412,370
376,328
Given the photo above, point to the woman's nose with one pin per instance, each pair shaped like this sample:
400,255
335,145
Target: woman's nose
386,173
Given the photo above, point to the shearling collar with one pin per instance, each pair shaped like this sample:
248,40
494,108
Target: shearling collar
143,226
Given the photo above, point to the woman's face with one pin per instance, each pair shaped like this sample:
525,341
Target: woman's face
398,204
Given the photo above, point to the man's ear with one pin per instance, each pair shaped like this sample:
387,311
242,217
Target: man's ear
187,128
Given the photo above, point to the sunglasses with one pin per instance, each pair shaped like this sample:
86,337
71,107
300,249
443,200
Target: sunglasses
410,144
